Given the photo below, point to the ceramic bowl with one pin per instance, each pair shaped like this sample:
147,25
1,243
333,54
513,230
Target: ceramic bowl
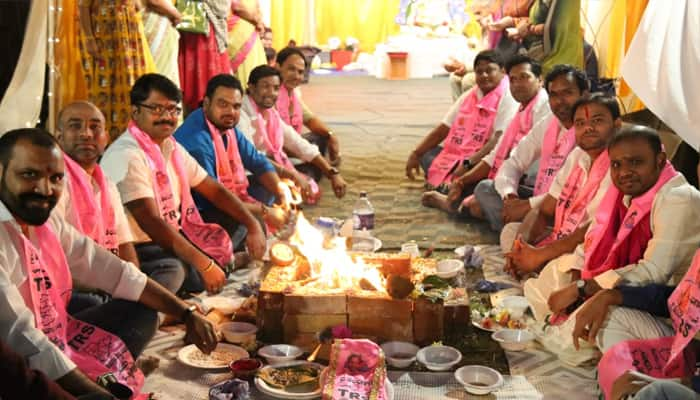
516,305
400,354
439,358
238,332
449,268
245,368
513,339
277,354
479,380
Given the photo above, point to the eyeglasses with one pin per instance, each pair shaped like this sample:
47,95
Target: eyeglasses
161,110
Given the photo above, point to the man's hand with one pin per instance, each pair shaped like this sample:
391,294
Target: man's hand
454,195
339,185
515,209
413,166
256,242
334,150
201,332
213,277
561,299
626,385
276,216
592,314
524,257
303,182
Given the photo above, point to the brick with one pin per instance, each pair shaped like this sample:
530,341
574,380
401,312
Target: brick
315,304
308,342
428,321
270,301
311,323
456,316
382,328
379,307
270,327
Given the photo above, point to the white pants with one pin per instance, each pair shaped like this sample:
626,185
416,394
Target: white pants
627,324
554,276
460,84
508,234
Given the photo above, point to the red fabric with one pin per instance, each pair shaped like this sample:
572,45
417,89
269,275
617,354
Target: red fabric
199,60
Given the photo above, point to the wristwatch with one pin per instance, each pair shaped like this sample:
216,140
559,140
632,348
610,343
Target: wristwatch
188,311
467,163
333,171
581,286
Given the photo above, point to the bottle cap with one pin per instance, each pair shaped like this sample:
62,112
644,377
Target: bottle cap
363,194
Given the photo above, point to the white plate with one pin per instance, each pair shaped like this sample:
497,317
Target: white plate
377,245
459,251
226,305
284,394
527,323
192,356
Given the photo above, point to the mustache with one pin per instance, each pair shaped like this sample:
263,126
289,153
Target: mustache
27,197
165,122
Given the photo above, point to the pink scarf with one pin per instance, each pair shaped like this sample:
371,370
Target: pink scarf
229,167
247,46
575,196
666,357
46,292
289,108
620,235
517,129
210,238
356,371
95,220
469,132
555,148
271,135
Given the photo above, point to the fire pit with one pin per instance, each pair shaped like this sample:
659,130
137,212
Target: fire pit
326,285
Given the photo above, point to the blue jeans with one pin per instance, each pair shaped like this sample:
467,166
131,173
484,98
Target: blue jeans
491,202
428,157
665,391
307,168
164,267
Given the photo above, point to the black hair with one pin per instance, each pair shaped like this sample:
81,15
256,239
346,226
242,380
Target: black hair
36,136
268,29
147,83
491,56
270,54
568,70
518,59
633,132
262,71
601,99
225,80
287,52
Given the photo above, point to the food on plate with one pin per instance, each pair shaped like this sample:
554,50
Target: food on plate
497,319
281,254
293,375
219,357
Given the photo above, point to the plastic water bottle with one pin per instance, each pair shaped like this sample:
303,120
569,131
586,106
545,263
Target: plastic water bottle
362,217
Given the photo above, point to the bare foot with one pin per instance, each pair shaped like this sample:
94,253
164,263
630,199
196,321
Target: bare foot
147,364
435,199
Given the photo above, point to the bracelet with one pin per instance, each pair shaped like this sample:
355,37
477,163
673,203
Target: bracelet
208,267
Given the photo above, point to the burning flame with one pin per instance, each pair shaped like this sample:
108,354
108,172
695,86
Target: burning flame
331,267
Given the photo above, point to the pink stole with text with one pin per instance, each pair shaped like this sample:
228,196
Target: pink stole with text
666,357
46,291
470,131
575,196
289,108
621,235
356,371
517,129
229,167
555,149
92,218
210,238
272,137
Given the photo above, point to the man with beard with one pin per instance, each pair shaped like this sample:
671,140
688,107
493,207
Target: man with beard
210,136
526,88
262,124
470,129
42,255
291,64
522,182
154,175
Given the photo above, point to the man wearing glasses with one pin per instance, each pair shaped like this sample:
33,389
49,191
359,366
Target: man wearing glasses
155,175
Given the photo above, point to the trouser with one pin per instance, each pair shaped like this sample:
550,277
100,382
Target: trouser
554,276
628,324
307,168
167,269
235,229
428,157
460,84
491,202
259,192
665,390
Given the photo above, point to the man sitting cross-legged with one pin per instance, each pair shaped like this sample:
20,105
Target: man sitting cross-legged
534,113
573,196
470,129
210,136
524,178
154,175
42,255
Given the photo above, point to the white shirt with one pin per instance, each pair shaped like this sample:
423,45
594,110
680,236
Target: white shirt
126,164
540,113
67,210
507,108
90,265
294,144
522,157
675,229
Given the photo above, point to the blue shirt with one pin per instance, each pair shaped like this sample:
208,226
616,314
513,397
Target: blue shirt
651,298
194,136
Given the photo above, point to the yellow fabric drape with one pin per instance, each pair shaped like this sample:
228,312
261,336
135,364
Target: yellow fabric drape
635,11
70,80
615,39
371,22
287,21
